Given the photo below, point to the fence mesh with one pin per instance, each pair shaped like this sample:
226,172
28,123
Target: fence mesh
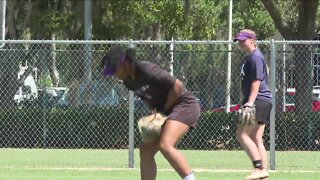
53,94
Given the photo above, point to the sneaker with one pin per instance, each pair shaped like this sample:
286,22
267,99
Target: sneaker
261,174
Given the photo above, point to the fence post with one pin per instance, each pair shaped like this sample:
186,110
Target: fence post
88,36
284,79
171,56
3,5
272,117
131,124
228,83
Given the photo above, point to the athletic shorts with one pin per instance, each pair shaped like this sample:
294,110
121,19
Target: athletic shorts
263,110
186,110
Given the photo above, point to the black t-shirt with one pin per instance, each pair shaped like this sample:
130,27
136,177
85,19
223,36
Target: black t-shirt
151,84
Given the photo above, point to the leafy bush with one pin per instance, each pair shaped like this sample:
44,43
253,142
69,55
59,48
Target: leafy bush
107,127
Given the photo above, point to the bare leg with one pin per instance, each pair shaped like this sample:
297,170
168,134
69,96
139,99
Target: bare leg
257,135
248,145
172,133
250,137
148,167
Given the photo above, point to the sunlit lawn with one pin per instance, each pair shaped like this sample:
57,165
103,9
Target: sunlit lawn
113,165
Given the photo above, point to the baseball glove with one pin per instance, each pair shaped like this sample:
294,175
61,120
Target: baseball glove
150,126
247,116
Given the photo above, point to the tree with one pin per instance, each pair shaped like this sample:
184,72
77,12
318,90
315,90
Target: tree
296,20
18,18
37,19
127,19
59,19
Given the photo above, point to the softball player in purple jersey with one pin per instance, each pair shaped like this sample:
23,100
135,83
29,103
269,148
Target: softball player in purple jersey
255,92
163,93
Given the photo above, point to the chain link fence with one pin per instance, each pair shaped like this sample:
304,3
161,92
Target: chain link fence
53,94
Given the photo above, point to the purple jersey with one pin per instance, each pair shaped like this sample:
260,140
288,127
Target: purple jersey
254,68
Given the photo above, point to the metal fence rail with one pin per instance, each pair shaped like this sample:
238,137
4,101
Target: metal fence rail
54,96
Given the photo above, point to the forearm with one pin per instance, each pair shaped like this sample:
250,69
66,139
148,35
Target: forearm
173,95
253,92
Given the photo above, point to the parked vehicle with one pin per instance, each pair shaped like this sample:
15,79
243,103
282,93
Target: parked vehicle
289,101
50,95
233,108
93,93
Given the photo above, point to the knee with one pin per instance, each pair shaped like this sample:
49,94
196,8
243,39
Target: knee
257,140
147,152
239,137
165,147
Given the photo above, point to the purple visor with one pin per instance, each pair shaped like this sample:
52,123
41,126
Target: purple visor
109,71
111,65
244,36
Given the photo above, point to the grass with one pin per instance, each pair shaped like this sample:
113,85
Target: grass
30,164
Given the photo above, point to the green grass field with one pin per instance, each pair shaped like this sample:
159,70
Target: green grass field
27,164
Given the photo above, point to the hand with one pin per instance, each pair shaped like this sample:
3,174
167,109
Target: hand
247,107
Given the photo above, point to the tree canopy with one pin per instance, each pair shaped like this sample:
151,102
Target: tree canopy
127,19
166,20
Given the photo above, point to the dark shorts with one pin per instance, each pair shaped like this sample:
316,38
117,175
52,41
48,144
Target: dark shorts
263,110
187,110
